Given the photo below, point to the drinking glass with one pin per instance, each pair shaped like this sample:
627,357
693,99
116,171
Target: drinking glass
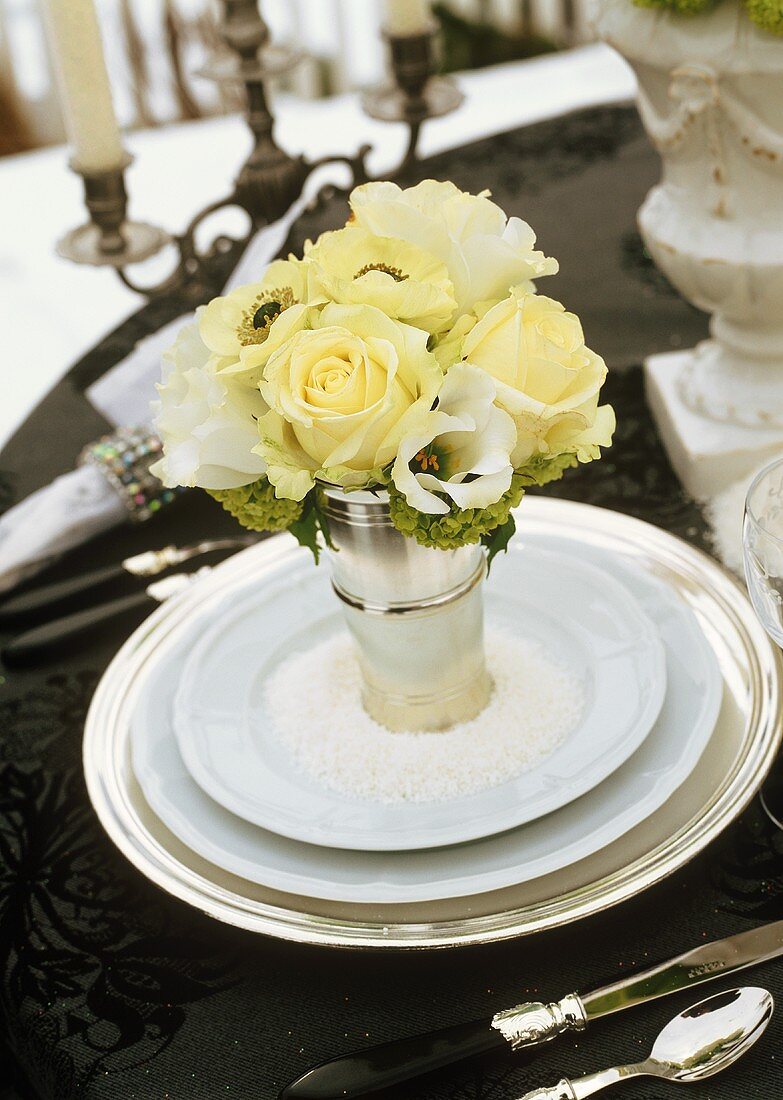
762,542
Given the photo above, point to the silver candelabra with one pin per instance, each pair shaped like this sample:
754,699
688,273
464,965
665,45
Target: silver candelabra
271,179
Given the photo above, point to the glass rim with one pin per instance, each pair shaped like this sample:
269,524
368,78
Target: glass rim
758,477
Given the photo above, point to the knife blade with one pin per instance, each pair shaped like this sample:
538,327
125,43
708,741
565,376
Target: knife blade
55,598
50,638
528,1025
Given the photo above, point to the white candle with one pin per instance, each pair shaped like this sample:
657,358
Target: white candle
406,16
85,92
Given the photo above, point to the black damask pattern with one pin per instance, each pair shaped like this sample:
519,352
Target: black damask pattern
95,973
531,159
748,869
34,719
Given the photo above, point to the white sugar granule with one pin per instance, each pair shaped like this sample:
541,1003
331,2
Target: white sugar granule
314,701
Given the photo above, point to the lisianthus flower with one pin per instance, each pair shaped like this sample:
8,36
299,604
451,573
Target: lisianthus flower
208,422
461,450
485,253
341,395
355,267
547,379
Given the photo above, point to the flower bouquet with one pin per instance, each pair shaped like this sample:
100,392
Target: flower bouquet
391,395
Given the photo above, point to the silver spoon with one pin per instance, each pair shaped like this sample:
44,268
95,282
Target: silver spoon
702,1040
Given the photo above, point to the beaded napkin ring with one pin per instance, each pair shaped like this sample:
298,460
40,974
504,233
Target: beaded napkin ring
124,458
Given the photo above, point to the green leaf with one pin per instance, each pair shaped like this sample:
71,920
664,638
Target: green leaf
305,529
497,539
312,521
321,520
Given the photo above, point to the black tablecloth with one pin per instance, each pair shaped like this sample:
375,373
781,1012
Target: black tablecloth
110,988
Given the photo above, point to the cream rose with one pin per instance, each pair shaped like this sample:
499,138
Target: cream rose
485,253
208,424
341,396
357,268
546,378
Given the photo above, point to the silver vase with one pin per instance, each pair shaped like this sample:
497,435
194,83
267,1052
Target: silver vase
416,616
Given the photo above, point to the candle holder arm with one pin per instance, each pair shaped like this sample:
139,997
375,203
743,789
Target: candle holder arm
189,275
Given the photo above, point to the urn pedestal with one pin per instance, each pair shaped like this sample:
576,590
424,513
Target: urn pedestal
711,100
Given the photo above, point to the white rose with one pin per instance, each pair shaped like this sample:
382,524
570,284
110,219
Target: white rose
460,450
208,423
547,379
341,395
485,253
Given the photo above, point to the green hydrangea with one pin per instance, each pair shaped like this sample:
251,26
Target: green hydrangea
460,526
257,508
543,470
767,14
684,7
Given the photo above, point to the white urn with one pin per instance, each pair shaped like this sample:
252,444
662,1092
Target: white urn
711,100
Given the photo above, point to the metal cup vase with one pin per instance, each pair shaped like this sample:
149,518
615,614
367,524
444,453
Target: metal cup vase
416,616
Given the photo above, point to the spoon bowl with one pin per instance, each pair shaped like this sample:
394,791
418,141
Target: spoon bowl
709,1036
704,1039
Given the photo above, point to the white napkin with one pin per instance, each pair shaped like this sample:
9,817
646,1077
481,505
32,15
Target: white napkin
66,513
81,503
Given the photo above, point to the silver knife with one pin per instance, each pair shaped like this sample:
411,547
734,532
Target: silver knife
530,1024
74,593
50,638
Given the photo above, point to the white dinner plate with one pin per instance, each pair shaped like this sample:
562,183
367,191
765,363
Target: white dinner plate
584,617
539,848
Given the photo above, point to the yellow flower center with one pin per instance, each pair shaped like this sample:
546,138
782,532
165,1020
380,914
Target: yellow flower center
395,272
428,460
257,320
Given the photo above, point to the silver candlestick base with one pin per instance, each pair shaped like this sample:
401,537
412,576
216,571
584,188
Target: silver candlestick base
108,238
439,97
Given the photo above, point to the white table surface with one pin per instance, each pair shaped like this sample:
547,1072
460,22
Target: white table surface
53,311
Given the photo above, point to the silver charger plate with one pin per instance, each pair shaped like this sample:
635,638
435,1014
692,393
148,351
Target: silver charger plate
743,746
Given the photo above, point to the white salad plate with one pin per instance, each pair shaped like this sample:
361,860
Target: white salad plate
572,833
730,770
582,614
